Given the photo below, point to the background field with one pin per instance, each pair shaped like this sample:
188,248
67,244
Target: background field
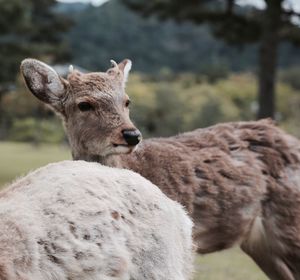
19,158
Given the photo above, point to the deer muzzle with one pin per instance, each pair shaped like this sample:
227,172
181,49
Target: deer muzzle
132,137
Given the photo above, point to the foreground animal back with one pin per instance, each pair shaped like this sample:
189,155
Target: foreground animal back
79,220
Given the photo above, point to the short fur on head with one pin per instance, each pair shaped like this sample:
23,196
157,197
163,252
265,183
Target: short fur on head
84,101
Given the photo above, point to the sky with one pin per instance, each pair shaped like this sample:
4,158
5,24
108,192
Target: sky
93,2
295,4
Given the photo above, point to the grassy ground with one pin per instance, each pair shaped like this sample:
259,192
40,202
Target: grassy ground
18,158
231,264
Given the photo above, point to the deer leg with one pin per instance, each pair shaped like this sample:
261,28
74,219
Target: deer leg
258,247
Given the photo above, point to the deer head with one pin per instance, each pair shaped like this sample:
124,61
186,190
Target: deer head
93,107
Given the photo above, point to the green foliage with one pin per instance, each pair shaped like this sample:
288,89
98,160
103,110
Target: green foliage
36,131
187,101
169,107
28,119
291,76
229,21
214,72
289,100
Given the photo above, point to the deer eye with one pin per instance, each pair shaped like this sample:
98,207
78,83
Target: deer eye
127,103
85,106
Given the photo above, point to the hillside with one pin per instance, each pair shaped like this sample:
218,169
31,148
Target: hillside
112,31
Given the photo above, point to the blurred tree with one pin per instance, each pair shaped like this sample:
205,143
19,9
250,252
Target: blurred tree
27,119
161,109
28,28
270,26
117,32
31,27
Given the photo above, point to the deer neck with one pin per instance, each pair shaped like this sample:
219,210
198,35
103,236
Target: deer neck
112,160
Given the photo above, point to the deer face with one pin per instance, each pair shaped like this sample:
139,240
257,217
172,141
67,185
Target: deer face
93,106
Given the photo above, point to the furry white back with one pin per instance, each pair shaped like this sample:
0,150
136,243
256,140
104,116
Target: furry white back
79,220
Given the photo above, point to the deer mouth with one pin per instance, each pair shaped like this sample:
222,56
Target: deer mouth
119,145
115,145
123,148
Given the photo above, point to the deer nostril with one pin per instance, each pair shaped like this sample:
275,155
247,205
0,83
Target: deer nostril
132,137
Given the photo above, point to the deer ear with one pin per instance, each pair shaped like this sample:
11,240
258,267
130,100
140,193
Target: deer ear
44,82
125,67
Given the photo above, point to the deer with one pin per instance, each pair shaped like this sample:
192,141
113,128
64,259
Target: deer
75,220
239,181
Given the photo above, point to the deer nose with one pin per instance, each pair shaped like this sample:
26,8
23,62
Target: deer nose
132,137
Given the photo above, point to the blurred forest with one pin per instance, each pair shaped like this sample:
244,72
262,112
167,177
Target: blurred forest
184,76
193,66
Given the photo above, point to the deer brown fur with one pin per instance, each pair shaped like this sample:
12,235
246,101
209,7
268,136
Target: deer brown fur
239,181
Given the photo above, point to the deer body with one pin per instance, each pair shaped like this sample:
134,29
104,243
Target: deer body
241,185
239,181
79,220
